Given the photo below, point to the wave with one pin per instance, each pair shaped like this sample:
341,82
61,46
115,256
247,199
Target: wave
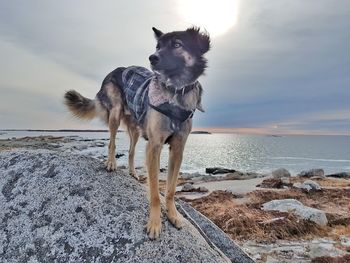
308,159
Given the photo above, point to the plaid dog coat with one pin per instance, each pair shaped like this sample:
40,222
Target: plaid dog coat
139,94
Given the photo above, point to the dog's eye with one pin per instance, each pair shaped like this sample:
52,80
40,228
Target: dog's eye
177,45
157,47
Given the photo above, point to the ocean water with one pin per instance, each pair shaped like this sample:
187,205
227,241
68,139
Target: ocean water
254,153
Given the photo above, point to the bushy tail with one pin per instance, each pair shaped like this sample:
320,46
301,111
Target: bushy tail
80,106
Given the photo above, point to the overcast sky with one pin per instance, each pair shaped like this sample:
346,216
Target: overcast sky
284,67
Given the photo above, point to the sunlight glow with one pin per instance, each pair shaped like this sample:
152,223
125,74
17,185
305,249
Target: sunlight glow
215,16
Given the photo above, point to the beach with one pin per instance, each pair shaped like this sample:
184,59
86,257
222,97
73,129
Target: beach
238,202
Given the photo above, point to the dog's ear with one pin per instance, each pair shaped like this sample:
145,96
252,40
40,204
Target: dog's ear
157,33
202,39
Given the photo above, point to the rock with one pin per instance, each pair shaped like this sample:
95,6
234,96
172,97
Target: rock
99,144
324,247
218,170
296,207
308,185
345,241
58,207
280,173
270,259
340,175
312,172
203,189
118,155
187,187
313,185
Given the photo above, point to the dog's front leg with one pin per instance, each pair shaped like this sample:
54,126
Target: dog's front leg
176,148
154,224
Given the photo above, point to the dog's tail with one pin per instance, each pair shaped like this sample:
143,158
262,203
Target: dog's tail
80,106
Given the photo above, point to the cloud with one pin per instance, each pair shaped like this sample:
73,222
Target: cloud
283,60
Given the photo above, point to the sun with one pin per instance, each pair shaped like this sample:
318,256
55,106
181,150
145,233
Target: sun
216,16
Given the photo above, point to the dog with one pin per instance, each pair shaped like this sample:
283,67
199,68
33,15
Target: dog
158,105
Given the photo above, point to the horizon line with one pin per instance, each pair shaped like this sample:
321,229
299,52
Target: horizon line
248,131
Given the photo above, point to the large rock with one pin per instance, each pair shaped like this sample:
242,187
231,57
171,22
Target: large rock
308,185
280,173
312,173
218,170
296,207
340,175
57,207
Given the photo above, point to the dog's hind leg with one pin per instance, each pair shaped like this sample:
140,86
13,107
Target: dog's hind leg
153,150
176,148
134,135
113,124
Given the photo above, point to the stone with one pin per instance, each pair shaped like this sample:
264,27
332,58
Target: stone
187,187
296,207
60,207
312,173
270,259
324,247
314,185
280,173
340,175
218,170
308,185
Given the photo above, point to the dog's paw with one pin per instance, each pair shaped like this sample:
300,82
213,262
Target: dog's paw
154,227
111,165
133,174
175,219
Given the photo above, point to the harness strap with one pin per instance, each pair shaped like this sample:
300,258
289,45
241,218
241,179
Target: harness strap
173,112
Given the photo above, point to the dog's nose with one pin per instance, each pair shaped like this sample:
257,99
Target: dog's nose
153,59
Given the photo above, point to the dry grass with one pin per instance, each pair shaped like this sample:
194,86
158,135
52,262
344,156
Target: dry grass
248,221
343,259
324,182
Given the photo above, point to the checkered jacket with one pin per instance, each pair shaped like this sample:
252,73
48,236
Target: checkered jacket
136,82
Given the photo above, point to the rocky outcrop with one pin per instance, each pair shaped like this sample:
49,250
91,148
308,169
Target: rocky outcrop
340,175
296,207
58,207
312,173
280,173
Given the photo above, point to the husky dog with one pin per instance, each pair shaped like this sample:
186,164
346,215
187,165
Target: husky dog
158,105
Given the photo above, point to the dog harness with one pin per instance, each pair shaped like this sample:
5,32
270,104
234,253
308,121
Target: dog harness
139,94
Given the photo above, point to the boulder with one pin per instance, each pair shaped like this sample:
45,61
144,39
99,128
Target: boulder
280,173
308,185
312,173
340,175
218,170
296,207
58,207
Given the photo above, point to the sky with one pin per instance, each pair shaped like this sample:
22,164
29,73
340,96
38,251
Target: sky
276,66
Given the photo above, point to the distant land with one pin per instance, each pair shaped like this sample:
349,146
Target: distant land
77,130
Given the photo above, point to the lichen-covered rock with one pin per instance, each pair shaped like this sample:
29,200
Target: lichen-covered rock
57,207
296,207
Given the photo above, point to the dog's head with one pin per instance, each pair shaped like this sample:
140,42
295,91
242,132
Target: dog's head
179,55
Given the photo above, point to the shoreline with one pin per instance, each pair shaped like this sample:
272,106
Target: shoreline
233,200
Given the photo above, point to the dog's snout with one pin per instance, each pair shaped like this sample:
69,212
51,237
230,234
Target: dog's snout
154,59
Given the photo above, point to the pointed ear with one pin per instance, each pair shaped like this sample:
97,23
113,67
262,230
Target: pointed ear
157,33
202,38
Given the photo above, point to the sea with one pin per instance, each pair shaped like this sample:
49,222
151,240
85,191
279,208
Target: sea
247,153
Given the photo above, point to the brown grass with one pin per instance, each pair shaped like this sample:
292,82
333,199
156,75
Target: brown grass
325,259
248,221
